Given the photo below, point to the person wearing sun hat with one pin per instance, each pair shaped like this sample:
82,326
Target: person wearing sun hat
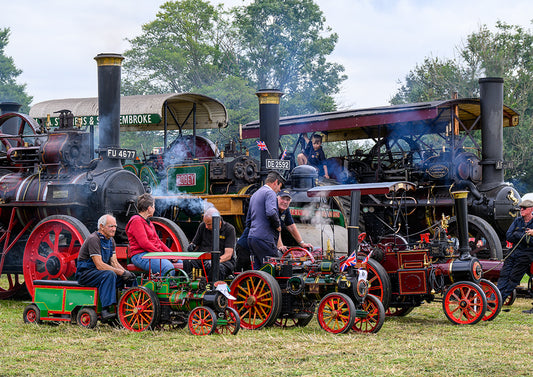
518,262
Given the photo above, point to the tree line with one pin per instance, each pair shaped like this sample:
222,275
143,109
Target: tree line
228,54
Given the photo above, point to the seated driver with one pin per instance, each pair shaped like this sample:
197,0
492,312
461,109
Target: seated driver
203,242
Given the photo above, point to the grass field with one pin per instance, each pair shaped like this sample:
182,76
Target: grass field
424,343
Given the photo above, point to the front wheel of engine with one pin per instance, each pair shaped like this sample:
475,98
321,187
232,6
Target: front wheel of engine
464,303
336,313
375,317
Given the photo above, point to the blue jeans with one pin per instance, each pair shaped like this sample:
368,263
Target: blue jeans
161,266
107,283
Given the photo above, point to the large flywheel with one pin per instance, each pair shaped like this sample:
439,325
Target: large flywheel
52,249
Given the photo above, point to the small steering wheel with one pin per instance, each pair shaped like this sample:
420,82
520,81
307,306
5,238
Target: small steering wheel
298,253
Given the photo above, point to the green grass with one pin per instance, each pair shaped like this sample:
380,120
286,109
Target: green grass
424,343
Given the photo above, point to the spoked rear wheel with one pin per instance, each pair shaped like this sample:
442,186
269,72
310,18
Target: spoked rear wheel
336,313
464,303
374,320
139,309
378,281
258,299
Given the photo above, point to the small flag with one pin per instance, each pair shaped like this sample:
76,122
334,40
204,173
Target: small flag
351,261
368,257
284,154
261,145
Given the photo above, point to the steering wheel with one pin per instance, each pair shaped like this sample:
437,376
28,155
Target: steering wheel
298,253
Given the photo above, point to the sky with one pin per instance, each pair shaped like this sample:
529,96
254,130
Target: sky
54,41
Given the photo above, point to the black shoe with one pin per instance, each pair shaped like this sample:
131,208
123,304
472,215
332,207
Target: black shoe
106,315
530,311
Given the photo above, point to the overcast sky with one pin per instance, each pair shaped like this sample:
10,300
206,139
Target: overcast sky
54,41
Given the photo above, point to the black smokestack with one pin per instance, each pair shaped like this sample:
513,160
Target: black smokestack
215,254
9,107
491,102
269,123
109,68
461,213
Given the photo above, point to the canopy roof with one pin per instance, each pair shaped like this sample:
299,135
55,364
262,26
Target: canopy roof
422,118
141,113
365,189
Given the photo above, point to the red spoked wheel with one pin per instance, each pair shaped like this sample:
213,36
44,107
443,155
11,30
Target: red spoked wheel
52,249
31,314
299,254
202,321
139,309
10,285
258,299
494,299
374,320
231,323
464,303
378,281
87,318
336,313
170,233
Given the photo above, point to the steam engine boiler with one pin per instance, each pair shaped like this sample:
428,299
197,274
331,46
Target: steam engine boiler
52,191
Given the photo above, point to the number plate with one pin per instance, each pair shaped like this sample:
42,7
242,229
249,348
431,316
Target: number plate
123,154
278,164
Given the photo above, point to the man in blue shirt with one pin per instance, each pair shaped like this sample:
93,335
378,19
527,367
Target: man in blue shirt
287,222
263,220
98,265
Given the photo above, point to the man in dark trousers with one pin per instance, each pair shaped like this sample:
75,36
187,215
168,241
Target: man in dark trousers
203,242
98,265
520,234
287,223
263,220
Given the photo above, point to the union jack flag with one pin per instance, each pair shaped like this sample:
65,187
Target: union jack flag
284,154
351,261
261,145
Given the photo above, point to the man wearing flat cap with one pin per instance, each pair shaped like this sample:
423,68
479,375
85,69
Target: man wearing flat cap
517,263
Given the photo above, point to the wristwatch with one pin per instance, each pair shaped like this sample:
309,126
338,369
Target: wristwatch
302,242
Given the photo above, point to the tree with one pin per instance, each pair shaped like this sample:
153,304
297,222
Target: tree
506,52
185,48
435,79
284,45
194,46
9,89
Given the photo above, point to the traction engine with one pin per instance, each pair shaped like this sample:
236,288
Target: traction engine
52,191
